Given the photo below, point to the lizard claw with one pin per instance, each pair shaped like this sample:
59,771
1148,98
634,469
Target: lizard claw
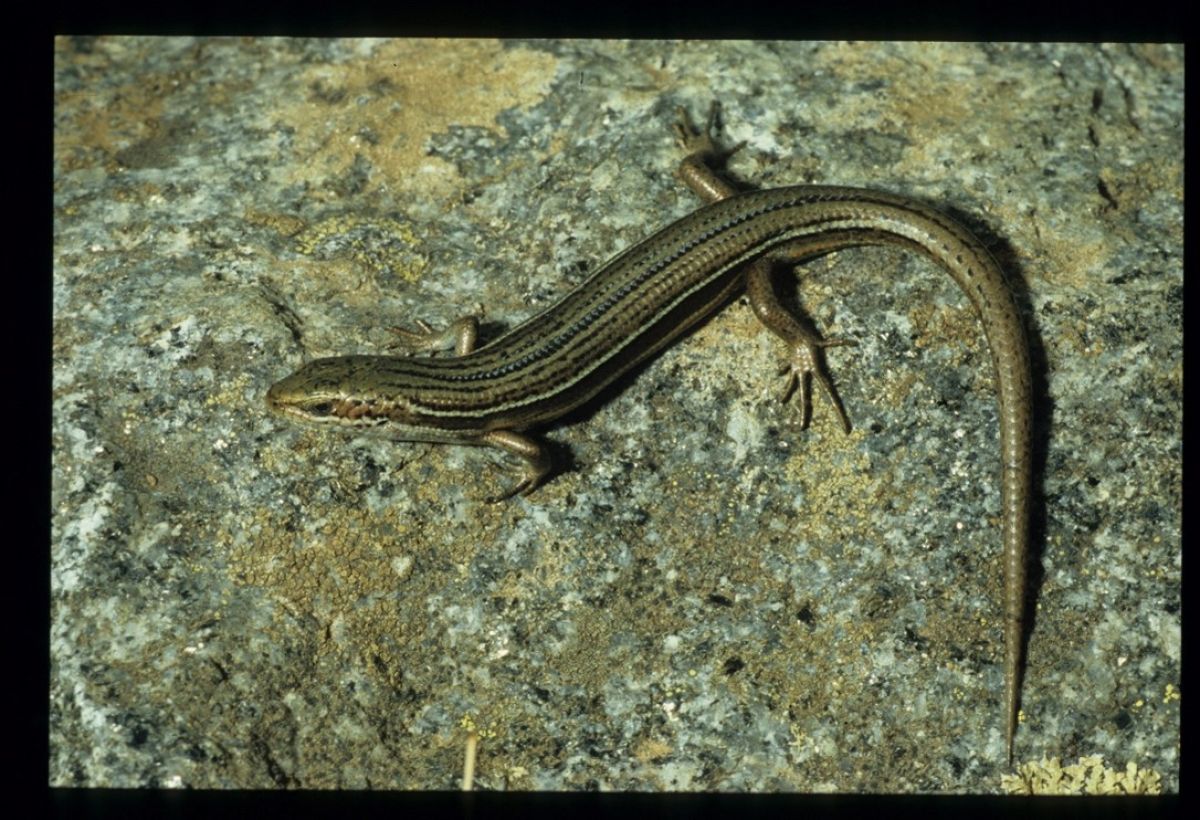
700,141
414,340
807,364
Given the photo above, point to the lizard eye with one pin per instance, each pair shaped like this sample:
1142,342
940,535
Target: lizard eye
322,409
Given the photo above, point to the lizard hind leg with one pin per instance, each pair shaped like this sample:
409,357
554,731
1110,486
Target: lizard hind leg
806,361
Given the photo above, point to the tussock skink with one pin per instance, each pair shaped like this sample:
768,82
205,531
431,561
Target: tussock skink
648,295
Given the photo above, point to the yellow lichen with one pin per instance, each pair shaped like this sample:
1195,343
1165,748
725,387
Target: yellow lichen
1088,776
379,243
469,723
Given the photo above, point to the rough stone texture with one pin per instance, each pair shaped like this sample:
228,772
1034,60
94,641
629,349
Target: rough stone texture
706,597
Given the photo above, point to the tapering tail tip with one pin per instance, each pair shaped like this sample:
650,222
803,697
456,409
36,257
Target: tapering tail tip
1008,735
